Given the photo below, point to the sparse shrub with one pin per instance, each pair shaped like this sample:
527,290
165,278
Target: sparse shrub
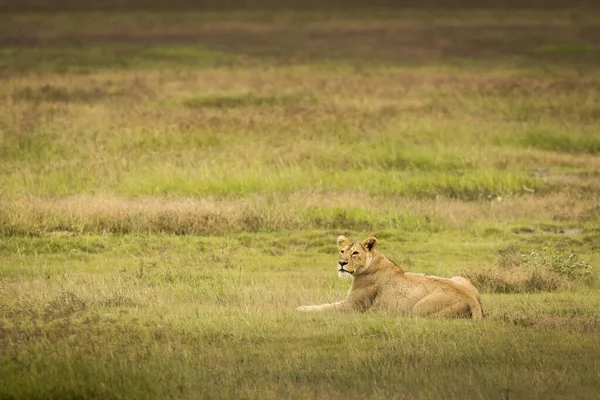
560,260
547,269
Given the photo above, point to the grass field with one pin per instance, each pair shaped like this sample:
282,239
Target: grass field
172,185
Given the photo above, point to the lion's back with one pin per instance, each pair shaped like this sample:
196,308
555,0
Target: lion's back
460,286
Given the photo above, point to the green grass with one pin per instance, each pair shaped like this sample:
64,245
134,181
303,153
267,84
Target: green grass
70,59
172,184
569,49
108,313
562,142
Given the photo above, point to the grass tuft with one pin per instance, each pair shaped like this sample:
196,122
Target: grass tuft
234,100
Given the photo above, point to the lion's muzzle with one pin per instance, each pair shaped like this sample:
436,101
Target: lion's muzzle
341,265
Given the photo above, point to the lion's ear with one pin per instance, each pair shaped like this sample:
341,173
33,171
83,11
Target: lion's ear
341,241
369,243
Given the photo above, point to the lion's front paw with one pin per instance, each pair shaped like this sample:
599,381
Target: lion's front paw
304,308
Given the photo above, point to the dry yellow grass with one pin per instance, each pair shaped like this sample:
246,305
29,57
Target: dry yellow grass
213,215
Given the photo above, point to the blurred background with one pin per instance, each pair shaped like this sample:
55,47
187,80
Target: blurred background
295,4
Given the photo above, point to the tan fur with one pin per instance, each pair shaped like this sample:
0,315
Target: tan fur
379,283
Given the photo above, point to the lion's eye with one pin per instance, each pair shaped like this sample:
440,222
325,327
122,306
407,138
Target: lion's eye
355,253
342,251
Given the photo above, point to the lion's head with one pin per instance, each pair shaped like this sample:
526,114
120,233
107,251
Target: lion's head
354,257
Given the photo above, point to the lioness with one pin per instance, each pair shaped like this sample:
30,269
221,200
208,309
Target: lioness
378,282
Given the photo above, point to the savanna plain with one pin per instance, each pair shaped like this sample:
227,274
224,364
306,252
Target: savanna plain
172,185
